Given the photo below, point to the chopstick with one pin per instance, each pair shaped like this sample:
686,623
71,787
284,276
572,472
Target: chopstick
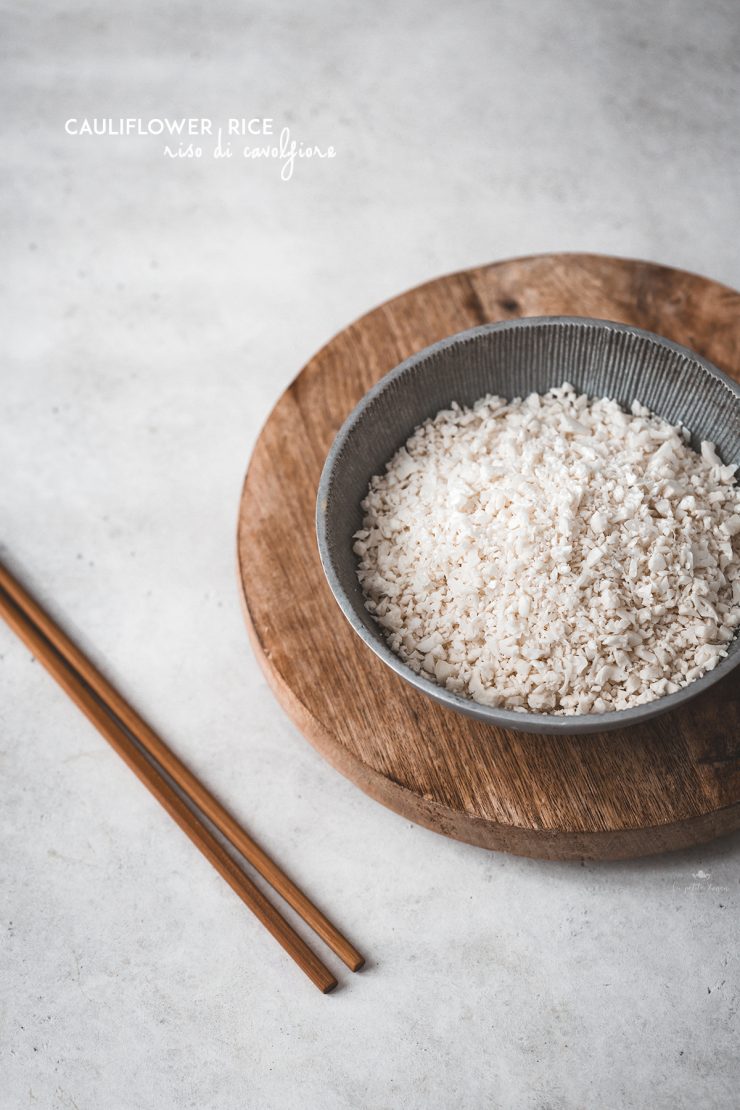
103,704
180,774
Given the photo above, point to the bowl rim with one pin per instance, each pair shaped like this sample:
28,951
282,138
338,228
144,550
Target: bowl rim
521,721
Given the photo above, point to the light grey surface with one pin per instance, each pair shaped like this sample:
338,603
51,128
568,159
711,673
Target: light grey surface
152,312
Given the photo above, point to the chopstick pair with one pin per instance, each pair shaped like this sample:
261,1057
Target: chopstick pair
151,760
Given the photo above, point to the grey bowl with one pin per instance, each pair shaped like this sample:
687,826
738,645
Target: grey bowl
512,359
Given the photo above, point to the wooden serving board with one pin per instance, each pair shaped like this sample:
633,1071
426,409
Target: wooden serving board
663,785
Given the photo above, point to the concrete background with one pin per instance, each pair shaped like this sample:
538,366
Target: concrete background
152,311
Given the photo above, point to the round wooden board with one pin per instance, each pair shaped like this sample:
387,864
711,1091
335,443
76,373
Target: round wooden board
667,784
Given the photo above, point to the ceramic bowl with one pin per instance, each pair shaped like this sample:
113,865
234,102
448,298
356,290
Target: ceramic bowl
513,359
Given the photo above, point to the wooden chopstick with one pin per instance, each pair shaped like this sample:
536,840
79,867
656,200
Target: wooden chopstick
250,894
185,779
74,685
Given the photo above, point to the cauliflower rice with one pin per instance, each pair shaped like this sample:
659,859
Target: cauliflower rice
554,554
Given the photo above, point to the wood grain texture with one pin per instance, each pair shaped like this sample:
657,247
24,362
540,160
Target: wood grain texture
666,784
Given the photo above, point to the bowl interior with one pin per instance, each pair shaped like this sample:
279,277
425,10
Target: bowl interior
512,359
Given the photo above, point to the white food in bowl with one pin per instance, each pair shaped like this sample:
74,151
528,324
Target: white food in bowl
554,554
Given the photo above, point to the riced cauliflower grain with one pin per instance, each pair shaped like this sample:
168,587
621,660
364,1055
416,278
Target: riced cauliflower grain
554,554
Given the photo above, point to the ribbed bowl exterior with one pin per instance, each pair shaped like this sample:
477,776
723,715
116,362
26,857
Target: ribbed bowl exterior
513,359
